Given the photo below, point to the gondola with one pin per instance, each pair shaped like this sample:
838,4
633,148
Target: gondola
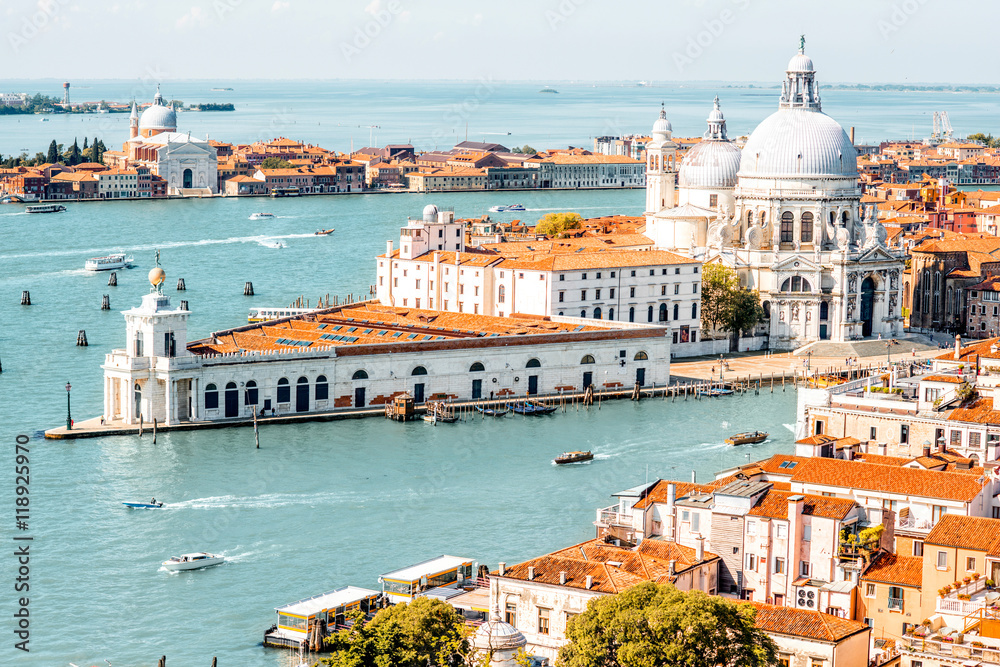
525,409
492,412
715,393
542,408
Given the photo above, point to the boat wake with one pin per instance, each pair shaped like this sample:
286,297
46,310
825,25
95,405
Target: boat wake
160,246
725,424
714,445
790,427
266,501
574,463
603,457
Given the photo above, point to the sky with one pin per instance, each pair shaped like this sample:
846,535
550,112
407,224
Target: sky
856,41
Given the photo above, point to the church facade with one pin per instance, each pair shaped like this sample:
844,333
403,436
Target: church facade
785,213
188,165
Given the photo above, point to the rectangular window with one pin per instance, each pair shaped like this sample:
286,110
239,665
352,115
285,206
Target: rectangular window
904,434
685,515
752,562
873,433
677,289
936,512
561,296
942,560
970,564
417,304
597,294
782,531
807,533
583,295
598,275
543,620
631,292
510,614
663,290
956,438
869,590
817,662
695,522
784,659
417,283
633,274
918,549
779,565
751,527
803,568
612,292
695,286
583,277
562,276
975,439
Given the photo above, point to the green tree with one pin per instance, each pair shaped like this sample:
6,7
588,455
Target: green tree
725,306
422,633
556,224
275,163
95,152
74,153
656,625
53,155
85,143
985,139
526,149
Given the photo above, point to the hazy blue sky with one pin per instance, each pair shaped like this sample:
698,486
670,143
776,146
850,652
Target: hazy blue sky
739,40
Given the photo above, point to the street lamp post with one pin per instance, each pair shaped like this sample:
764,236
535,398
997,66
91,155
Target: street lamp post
69,417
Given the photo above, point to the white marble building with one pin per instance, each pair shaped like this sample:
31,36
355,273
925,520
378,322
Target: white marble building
786,214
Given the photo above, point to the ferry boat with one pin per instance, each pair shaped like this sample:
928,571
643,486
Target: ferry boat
750,438
268,314
297,619
194,561
444,571
111,262
285,192
45,208
573,457
261,216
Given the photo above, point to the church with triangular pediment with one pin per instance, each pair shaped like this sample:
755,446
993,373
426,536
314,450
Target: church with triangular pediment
785,213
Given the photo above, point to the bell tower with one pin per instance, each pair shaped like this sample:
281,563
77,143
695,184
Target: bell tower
661,168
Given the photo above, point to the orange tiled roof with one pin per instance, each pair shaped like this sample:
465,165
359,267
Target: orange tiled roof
969,352
895,569
951,379
872,477
658,494
810,624
979,412
774,504
968,532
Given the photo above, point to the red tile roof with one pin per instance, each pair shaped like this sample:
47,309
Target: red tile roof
813,625
774,504
968,532
895,569
872,477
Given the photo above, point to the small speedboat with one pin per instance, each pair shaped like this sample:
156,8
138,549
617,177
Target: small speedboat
324,232
749,438
143,506
261,216
516,207
492,412
497,209
573,457
194,561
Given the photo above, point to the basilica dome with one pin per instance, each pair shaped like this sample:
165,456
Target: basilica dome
714,161
158,117
799,140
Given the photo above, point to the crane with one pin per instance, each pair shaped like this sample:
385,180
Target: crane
371,130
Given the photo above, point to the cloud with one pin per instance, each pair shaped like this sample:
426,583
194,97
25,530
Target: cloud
280,6
477,19
195,16
373,7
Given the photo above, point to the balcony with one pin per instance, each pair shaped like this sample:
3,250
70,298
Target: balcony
955,645
610,516
967,598
895,604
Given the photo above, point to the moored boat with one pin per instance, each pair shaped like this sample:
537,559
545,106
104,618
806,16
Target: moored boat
45,208
573,457
492,412
118,260
193,561
524,409
261,216
542,408
749,438
715,393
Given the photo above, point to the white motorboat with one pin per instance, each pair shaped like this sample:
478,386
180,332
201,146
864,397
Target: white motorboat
515,207
261,216
118,260
273,244
194,561
497,209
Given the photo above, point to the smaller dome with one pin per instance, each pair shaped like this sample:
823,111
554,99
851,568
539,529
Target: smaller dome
157,276
800,62
430,213
662,125
497,635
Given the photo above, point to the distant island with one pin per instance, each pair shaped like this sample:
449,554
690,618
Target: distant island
228,106
548,90
898,87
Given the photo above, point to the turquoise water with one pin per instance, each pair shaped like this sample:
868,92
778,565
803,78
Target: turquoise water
337,114
320,505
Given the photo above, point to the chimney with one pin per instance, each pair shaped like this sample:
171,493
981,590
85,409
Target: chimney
671,494
852,135
562,578
388,248
590,581
927,448
531,573
958,347
502,568
694,477
881,448
672,568
699,552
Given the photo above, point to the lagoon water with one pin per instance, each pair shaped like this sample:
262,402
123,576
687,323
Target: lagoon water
320,505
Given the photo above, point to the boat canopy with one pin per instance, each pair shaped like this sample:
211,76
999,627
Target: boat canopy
340,597
428,568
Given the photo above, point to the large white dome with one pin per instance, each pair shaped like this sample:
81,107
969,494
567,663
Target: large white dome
796,142
710,164
158,117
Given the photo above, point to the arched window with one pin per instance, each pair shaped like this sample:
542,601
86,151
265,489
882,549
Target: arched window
663,312
833,217
845,218
611,313
787,227
501,294
251,393
694,311
806,222
796,284
631,314
533,363
211,396
597,313
477,368
419,370
763,219
948,303
649,314
359,375
749,218
583,313
284,391
677,312
588,359
137,391
767,310
322,388
641,356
